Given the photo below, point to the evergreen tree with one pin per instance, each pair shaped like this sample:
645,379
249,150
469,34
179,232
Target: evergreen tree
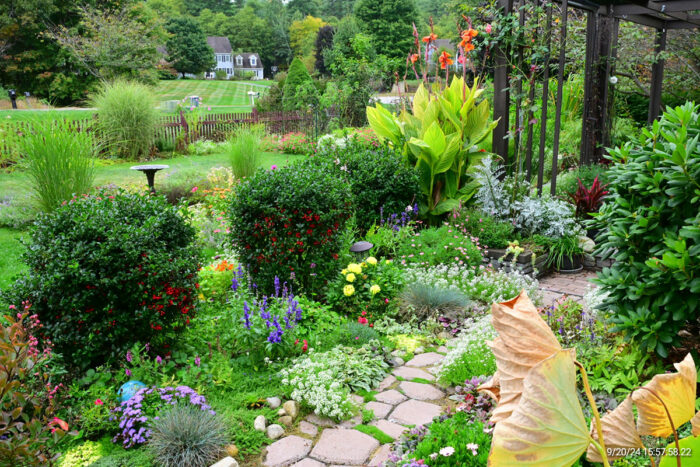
389,23
298,75
324,41
188,50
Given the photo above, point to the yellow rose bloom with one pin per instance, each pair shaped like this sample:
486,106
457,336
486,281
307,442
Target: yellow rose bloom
372,260
350,277
355,268
344,271
348,290
375,289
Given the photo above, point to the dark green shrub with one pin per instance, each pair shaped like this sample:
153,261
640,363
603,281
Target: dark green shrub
491,233
379,179
106,271
651,222
289,222
186,435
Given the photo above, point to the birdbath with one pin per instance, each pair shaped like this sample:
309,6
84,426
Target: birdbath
150,171
360,248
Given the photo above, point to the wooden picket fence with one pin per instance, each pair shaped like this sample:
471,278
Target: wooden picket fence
176,130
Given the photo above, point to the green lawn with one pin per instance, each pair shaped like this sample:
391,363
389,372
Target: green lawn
232,94
183,170
10,264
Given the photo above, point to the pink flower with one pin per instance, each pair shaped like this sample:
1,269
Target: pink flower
12,307
159,360
194,189
197,361
273,167
386,300
128,372
209,108
192,108
488,29
99,402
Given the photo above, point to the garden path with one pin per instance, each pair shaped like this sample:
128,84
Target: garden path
406,397
574,285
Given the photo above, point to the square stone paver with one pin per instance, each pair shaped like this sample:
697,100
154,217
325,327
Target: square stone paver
425,359
421,391
320,421
388,381
340,446
380,409
381,456
287,451
392,396
392,429
413,412
409,373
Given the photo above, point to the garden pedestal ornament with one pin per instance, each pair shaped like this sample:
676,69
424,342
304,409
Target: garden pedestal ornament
360,248
150,171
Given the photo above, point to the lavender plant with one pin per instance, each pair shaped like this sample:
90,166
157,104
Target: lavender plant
135,414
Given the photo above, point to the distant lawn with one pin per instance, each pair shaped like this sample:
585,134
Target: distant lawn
232,94
221,96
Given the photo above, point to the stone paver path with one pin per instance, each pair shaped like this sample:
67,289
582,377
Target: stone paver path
407,397
573,285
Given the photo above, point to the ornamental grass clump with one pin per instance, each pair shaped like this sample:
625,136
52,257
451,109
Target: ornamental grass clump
422,301
290,223
58,160
106,271
184,435
126,118
243,150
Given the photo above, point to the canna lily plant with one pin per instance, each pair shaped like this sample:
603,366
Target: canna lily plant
539,420
438,134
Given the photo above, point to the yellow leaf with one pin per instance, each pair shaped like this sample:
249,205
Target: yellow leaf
523,341
547,428
618,432
677,390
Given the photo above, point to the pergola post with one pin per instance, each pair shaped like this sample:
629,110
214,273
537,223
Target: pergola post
594,133
501,96
657,76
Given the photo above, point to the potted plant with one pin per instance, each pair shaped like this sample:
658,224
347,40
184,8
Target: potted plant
565,254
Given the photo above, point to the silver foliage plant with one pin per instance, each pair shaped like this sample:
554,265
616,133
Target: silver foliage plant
530,215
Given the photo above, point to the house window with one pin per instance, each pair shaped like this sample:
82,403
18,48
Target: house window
239,61
253,61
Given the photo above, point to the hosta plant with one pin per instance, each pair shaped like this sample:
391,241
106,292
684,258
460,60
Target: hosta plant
539,418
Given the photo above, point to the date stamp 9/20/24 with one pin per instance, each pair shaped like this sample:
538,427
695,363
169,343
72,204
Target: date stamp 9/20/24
651,452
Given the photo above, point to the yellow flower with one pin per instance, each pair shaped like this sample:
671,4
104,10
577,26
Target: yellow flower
348,290
350,277
388,261
375,289
344,271
372,260
354,267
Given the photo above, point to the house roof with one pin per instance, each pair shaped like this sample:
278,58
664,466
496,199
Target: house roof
246,60
220,44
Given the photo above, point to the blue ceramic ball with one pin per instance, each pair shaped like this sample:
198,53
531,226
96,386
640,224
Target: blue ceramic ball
128,390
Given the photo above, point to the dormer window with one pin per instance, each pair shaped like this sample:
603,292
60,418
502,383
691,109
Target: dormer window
253,61
239,61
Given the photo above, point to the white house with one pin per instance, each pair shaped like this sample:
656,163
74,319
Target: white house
232,63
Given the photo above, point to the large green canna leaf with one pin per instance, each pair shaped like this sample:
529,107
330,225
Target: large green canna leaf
436,141
420,101
547,428
444,206
384,124
690,453
430,116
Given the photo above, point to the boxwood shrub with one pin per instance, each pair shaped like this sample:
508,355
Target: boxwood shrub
651,227
379,179
109,270
290,223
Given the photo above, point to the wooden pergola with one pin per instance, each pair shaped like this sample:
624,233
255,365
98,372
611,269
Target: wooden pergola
602,23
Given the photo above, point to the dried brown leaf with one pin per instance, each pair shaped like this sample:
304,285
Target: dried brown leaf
492,387
618,432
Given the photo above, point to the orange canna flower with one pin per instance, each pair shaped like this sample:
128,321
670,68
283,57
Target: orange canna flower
445,59
413,58
471,33
468,47
430,38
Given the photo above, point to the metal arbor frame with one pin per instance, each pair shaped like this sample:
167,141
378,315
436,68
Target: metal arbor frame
602,24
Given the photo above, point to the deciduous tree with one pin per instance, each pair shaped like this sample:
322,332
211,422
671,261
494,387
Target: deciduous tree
187,48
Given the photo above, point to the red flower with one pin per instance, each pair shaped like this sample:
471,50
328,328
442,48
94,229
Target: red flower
362,320
99,402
